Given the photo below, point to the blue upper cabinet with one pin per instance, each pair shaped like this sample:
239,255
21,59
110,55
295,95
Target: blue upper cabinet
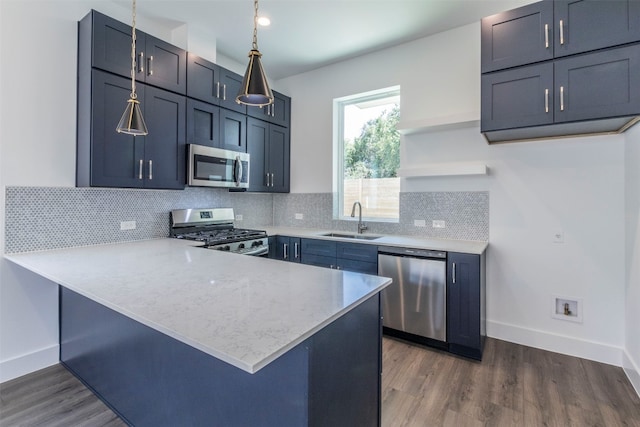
560,68
517,37
158,63
584,25
214,84
278,113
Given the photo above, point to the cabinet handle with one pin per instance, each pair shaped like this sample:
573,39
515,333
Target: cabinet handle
561,98
546,36
149,63
141,62
296,250
224,92
273,110
140,169
453,273
546,100
272,180
218,90
285,248
150,169
561,32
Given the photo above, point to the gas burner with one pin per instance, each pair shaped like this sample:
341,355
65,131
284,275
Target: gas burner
215,228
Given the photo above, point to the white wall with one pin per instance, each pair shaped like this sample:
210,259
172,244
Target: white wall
573,185
632,343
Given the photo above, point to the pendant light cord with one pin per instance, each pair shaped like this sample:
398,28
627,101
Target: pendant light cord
133,52
255,26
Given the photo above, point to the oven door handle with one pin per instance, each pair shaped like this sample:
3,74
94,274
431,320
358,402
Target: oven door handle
262,250
237,170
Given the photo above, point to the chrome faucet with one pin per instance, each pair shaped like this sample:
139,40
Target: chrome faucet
361,225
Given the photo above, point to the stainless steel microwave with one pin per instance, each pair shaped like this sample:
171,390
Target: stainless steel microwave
215,167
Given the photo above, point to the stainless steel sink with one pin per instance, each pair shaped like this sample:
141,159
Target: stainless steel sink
351,236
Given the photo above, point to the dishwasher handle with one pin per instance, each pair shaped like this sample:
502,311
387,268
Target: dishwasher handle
411,252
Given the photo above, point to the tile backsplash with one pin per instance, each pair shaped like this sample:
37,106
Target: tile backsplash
466,214
41,218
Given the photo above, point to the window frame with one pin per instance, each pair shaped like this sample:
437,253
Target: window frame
339,105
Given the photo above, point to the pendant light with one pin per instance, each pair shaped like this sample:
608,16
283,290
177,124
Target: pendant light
255,89
132,122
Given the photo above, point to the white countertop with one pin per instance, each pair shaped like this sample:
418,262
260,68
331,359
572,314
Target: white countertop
463,246
246,311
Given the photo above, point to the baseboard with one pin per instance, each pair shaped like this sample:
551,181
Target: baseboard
563,344
632,371
27,363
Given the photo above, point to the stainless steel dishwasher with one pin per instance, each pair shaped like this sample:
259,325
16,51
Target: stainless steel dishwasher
416,302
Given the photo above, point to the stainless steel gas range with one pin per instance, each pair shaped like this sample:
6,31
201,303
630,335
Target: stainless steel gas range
214,227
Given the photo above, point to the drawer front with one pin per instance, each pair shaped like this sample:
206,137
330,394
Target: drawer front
357,252
318,247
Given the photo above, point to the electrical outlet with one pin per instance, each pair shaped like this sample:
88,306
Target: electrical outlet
419,222
438,223
299,216
239,217
127,225
558,236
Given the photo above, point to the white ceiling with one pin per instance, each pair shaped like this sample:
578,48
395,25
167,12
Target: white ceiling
307,34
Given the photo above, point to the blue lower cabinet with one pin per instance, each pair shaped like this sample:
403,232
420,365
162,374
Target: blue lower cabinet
287,248
150,379
466,302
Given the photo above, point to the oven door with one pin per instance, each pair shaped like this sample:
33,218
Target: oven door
215,167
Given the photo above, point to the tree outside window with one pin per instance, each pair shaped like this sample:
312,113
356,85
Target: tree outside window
368,156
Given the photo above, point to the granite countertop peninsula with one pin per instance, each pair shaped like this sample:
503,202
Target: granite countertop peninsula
246,311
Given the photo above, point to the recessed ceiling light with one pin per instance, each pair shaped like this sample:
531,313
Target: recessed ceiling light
263,21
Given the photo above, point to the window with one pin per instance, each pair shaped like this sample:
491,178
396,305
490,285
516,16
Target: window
367,154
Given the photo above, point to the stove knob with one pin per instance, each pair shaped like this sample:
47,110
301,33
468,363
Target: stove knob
224,248
241,246
256,243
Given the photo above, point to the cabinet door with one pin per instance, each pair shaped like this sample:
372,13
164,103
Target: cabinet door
230,84
584,25
517,37
114,157
319,260
463,302
165,147
279,158
203,79
287,248
517,98
280,111
166,65
112,44
257,147
203,123
233,130
598,85
357,266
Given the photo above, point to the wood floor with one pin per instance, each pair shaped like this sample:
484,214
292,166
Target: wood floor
513,386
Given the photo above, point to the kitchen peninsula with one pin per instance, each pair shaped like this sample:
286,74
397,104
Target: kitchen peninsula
171,334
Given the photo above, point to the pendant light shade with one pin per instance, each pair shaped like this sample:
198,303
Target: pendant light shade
132,122
255,90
